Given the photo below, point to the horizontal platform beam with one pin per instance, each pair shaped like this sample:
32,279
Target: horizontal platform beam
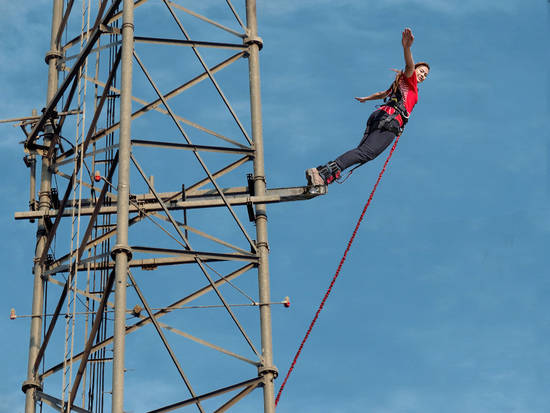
275,195
184,257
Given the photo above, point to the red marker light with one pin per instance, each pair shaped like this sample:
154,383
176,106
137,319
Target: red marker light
286,302
12,314
97,176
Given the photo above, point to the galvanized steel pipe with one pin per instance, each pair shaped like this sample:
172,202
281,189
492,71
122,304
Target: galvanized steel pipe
121,251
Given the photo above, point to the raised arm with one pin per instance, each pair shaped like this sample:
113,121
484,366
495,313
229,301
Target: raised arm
407,40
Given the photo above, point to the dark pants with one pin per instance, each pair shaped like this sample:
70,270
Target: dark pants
374,142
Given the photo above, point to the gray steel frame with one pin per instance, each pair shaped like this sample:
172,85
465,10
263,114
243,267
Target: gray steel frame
147,206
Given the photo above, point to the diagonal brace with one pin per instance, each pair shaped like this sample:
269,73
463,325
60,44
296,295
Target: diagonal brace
163,338
197,259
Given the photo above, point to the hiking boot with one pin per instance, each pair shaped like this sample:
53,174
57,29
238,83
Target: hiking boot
329,172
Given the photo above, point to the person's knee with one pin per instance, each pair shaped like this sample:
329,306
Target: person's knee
364,155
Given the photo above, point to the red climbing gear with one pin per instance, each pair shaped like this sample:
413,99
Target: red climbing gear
337,272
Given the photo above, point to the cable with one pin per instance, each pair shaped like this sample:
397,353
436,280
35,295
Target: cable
336,274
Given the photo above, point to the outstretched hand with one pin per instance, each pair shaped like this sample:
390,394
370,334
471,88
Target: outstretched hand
361,99
407,38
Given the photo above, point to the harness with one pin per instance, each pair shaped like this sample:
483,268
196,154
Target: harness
394,100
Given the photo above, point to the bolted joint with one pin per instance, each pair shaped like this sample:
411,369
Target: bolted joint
263,245
109,29
52,54
49,260
261,215
31,384
127,25
259,178
265,370
121,248
136,311
249,40
30,160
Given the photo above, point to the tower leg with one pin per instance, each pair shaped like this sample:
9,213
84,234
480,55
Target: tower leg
267,369
31,384
121,252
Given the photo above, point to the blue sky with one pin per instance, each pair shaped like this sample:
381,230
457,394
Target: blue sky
442,304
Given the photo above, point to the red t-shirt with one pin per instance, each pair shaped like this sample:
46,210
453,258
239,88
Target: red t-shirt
409,91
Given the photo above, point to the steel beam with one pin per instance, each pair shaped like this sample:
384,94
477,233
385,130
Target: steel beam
252,382
192,43
56,403
205,148
184,257
121,252
146,263
267,370
207,20
165,342
32,383
206,201
238,397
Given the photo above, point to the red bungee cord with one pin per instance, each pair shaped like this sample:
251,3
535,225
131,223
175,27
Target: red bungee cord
337,272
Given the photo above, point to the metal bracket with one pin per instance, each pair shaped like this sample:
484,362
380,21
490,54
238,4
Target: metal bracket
250,182
109,29
263,370
54,197
31,384
250,210
47,264
248,40
263,244
29,160
121,248
136,311
251,191
52,54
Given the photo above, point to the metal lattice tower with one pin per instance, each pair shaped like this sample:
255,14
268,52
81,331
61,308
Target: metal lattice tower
151,209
